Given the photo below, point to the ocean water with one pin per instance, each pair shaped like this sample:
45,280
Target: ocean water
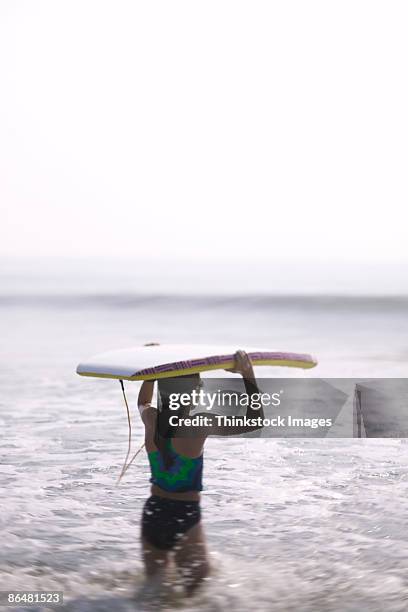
305,525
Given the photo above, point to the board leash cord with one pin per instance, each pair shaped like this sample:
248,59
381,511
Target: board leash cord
127,465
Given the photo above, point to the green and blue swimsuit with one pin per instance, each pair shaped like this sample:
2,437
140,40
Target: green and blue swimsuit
184,474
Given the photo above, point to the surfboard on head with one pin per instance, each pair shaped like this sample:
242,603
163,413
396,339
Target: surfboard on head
151,362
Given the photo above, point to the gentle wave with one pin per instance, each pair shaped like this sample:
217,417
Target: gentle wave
132,300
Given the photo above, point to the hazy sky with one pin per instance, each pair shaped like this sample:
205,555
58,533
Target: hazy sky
186,128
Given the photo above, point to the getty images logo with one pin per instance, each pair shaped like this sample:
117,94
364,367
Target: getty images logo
220,399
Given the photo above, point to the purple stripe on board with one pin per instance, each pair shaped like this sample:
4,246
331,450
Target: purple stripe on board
218,359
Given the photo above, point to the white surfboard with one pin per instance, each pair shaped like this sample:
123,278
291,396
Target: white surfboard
165,361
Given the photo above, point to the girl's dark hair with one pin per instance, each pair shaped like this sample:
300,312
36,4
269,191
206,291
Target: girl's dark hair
164,431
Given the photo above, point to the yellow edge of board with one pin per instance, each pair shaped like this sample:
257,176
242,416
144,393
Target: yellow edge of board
288,363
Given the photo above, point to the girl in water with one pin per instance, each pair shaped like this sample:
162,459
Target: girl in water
171,520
